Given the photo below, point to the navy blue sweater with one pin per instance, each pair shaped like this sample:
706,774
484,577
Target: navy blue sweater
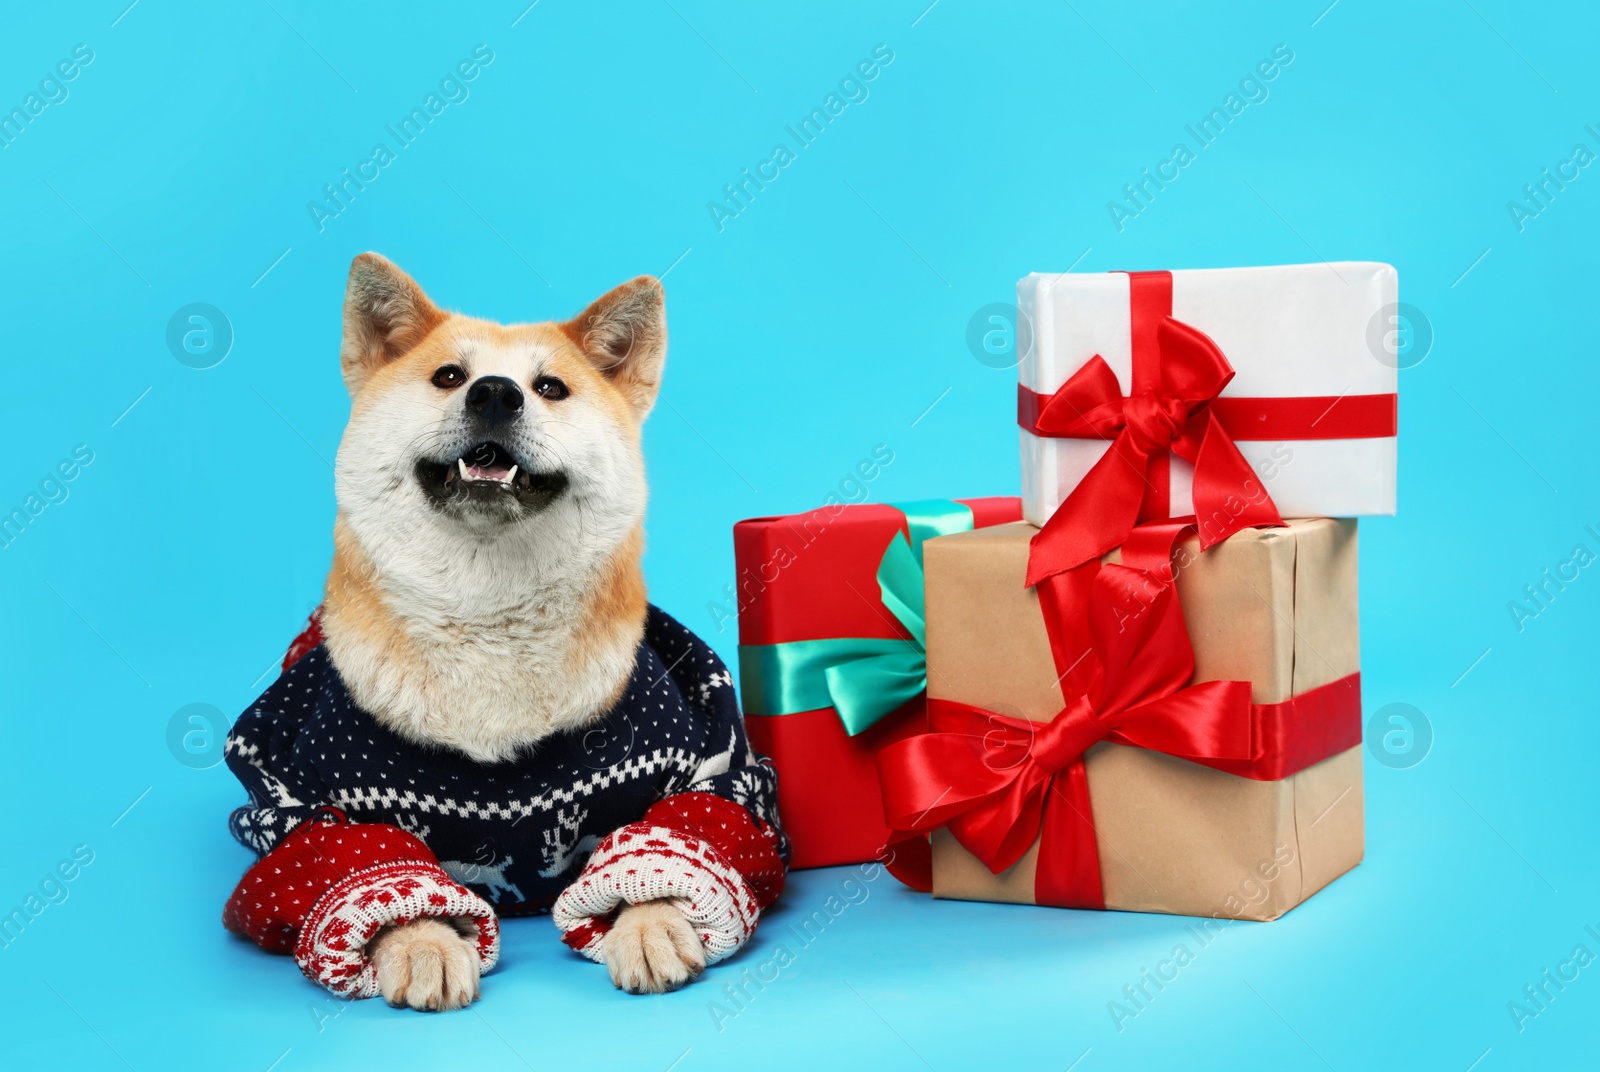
515,832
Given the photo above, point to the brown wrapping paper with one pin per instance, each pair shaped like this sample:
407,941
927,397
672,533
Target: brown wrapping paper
1276,607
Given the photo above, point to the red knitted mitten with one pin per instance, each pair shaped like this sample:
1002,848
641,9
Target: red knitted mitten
331,885
704,853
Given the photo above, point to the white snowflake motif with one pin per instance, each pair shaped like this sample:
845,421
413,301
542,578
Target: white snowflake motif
258,829
415,827
720,679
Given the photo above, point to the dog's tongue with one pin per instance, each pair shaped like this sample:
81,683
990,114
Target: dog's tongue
491,469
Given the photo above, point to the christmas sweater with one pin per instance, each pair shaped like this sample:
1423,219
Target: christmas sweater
359,828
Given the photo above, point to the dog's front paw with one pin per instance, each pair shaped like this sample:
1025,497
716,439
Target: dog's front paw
426,964
652,948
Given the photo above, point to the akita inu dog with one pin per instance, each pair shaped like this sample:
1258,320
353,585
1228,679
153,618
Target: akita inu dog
492,684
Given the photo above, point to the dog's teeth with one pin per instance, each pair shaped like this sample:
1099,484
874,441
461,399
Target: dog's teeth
512,475
463,463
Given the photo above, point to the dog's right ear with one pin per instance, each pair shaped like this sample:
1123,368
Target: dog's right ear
385,315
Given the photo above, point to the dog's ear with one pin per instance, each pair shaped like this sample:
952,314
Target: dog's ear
385,315
624,335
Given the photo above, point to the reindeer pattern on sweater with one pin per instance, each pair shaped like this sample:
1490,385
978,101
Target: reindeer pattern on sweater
516,832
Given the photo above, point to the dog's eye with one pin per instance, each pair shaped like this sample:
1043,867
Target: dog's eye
550,389
449,376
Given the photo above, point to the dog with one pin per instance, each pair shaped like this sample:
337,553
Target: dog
485,610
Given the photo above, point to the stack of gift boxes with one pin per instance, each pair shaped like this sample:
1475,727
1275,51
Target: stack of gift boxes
1137,687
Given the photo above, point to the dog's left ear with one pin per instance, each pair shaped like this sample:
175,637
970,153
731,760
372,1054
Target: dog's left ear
385,315
624,335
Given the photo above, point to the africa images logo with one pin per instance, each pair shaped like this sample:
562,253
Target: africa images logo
452,89
1540,195
1140,195
805,131
52,90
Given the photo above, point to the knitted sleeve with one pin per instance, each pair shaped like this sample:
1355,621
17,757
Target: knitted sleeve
324,886
712,845
331,885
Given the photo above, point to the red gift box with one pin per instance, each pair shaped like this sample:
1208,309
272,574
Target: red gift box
830,641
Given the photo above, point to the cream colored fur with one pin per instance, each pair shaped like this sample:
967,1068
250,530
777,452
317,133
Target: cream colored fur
487,633
490,642
426,964
651,948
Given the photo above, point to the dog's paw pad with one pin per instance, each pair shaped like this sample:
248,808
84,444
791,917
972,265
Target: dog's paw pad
426,964
652,948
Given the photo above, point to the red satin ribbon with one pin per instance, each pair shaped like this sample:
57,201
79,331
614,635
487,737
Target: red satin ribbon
1259,419
999,783
1123,655
1177,372
1290,735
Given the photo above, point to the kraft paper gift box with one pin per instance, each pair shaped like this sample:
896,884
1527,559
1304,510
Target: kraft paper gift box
1284,375
831,656
1275,608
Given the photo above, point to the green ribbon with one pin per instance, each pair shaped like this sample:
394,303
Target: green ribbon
863,678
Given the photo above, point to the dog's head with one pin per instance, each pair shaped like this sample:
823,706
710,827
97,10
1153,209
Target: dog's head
466,434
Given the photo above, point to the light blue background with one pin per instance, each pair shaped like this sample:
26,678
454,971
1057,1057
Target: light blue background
822,321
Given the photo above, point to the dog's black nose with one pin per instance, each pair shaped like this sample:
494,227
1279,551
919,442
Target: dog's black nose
494,398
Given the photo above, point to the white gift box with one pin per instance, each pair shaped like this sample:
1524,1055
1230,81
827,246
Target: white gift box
1311,406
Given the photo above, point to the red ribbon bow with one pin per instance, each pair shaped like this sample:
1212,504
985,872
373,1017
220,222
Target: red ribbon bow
1000,783
1173,413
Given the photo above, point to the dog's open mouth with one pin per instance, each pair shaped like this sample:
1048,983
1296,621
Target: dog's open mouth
487,461
489,473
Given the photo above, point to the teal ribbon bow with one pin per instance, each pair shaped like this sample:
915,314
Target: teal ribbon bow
863,678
